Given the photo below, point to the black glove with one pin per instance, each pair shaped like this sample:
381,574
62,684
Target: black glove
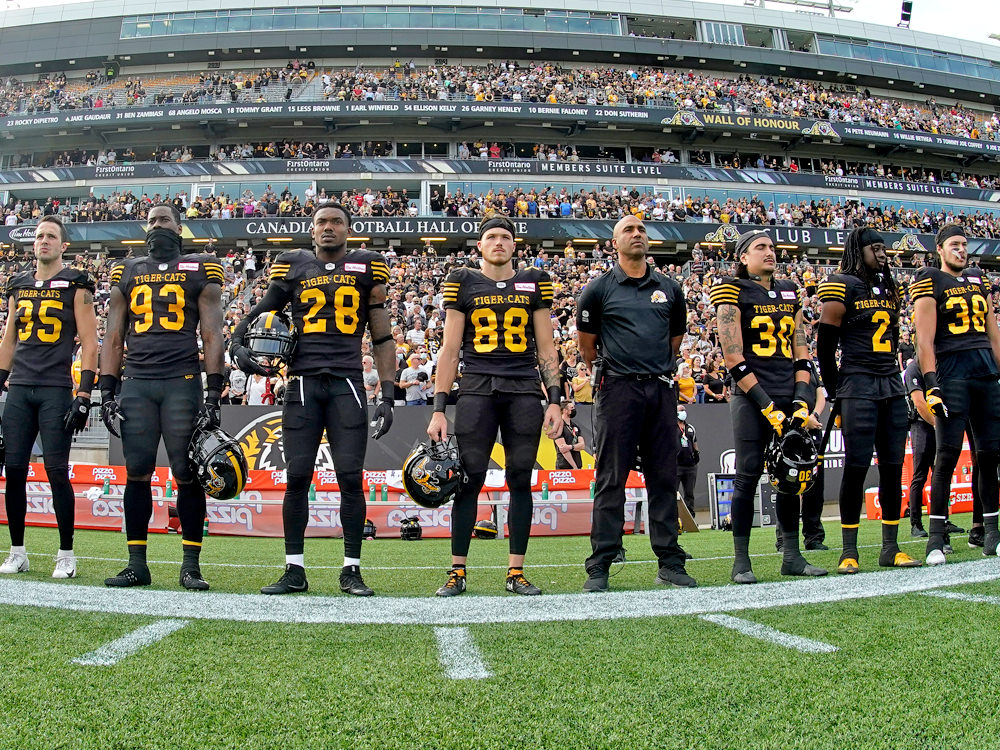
382,420
210,414
76,418
244,359
111,412
111,415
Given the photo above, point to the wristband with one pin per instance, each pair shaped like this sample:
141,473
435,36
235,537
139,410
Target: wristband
87,378
387,337
740,371
759,396
387,388
804,365
108,385
440,401
214,383
930,380
376,305
805,393
554,395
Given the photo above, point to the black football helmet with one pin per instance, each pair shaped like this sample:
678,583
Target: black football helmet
369,532
433,474
218,462
485,529
409,529
791,461
271,336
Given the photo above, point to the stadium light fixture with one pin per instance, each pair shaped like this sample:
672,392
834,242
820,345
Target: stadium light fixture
352,239
279,239
433,239
133,242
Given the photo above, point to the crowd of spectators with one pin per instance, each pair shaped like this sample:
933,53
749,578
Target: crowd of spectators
544,83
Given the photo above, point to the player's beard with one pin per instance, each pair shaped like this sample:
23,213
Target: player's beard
955,267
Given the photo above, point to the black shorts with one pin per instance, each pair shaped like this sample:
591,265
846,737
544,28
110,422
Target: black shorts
518,416
314,403
874,425
166,407
33,411
972,400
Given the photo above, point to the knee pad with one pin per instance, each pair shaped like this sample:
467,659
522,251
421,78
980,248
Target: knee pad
518,479
297,484
349,483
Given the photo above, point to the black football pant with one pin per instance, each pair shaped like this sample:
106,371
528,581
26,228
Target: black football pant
924,445
752,434
975,401
872,426
314,403
688,478
30,412
167,408
635,417
518,417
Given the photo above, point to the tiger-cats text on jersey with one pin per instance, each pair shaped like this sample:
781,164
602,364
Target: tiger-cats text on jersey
329,303
767,325
161,301
499,335
961,342
869,331
45,322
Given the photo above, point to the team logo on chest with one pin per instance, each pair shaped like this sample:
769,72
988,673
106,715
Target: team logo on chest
658,296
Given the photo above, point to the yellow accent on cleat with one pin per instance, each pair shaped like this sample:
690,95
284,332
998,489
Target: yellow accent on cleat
848,566
903,560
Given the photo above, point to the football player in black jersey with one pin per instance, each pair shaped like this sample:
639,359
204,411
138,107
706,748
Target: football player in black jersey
764,344
499,320
46,310
158,304
334,294
958,348
861,316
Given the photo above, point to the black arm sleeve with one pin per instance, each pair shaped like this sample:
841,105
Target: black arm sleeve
826,349
274,299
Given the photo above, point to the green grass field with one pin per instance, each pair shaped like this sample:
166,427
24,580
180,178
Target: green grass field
912,671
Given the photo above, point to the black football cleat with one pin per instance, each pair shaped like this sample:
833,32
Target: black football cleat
977,536
950,528
292,581
455,584
675,577
743,576
518,584
352,583
917,530
192,580
130,577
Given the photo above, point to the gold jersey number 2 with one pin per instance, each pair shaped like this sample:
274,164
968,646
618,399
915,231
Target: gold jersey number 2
487,335
346,304
27,321
769,342
142,307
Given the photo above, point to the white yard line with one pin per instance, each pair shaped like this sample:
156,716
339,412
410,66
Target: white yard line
769,634
491,609
964,597
459,655
113,652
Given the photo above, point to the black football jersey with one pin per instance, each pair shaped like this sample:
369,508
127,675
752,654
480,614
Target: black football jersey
767,324
869,331
45,322
161,299
329,303
499,337
961,309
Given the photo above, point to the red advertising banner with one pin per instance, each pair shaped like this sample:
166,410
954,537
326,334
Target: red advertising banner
961,487
563,503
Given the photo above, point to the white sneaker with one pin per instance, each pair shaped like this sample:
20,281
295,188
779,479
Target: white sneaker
935,557
16,562
65,567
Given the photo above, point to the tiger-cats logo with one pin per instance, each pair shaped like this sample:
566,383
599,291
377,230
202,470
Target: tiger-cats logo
683,117
909,243
725,233
262,445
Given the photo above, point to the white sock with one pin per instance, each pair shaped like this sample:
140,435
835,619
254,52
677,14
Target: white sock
299,560
352,561
64,553
17,550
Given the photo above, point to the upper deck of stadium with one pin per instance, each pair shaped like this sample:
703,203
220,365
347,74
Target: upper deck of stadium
697,35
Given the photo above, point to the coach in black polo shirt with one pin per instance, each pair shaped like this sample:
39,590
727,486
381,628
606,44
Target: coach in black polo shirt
634,318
